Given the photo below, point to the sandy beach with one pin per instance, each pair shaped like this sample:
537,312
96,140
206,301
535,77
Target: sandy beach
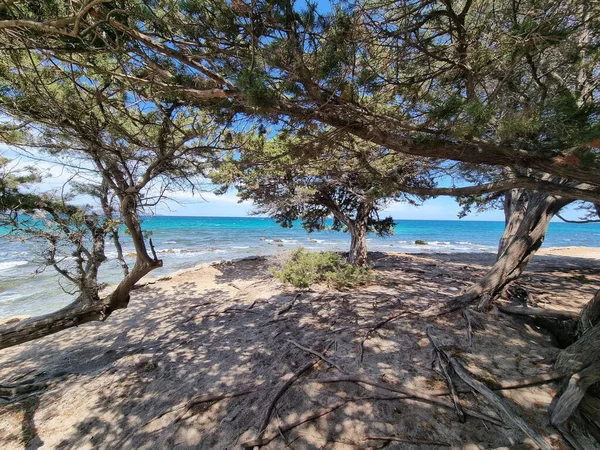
198,357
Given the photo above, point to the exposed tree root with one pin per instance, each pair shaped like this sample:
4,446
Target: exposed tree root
285,386
539,312
320,355
282,429
409,393
501,405
438,357
375,328
286,307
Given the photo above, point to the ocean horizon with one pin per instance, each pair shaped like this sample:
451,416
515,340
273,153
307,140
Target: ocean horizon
27,288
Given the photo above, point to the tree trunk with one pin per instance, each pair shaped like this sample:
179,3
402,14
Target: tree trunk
358,244
89,306
580,363
518,246
515,205
120,256
85,309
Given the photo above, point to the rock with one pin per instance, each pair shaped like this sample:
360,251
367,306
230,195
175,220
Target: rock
277,240
420,242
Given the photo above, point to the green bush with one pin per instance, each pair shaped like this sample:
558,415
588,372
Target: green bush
304,269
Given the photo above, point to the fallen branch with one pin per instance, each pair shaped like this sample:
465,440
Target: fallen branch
406,440
538,312
282,429
320,355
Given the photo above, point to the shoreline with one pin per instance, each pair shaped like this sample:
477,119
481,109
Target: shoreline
590,253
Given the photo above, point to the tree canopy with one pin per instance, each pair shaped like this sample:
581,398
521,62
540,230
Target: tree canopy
504,83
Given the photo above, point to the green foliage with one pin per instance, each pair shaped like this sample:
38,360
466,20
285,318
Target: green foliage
304,269
254,85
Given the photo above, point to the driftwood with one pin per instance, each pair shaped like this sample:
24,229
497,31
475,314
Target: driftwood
547,313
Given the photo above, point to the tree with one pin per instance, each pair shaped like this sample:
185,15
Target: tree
313,179
508,84
133,148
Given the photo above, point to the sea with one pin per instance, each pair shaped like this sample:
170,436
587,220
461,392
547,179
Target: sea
28,288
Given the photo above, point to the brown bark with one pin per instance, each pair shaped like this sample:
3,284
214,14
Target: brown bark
515,206
85,309
358,244
579,362
89,306
518,246
589,315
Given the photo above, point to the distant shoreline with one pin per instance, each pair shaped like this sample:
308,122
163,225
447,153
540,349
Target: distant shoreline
571,251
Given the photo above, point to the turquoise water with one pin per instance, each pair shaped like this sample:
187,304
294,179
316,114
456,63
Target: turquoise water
27,288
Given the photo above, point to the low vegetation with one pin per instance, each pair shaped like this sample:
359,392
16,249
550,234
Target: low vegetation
304,269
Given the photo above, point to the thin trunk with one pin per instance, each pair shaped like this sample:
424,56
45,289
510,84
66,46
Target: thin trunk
517,251
109,214
120,256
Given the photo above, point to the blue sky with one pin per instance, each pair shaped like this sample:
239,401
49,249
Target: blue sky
442,208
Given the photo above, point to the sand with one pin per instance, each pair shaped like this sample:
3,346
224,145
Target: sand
226,334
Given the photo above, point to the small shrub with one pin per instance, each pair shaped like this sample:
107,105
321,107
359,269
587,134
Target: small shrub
304,269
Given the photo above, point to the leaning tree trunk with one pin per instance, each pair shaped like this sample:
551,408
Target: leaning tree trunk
519,245
515,206
87,308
